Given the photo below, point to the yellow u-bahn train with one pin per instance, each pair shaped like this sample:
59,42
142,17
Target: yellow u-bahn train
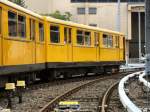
32,46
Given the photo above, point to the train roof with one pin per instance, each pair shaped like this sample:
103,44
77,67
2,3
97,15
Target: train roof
69,23
50,19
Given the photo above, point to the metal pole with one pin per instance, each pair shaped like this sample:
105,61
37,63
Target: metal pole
118,17
147,34
139,16
147,43
86,12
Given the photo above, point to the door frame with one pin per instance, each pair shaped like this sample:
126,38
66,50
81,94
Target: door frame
69,45
97,45
1,36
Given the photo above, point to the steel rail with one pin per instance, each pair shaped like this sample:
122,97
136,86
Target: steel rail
107,96
49,107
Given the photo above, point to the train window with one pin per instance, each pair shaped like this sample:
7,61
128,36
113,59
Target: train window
12,24
110,41
41,32
105,39
55,34
69,38
117,42
96,35
87,38
80,37
32,29
0,20
21,26
67,35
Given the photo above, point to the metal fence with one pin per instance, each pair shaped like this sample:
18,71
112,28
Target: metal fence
134,60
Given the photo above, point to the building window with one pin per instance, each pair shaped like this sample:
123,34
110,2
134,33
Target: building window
80,37
21,26
81,11
32,29
12,24
54,34
41,32
95,25
92,10
87,38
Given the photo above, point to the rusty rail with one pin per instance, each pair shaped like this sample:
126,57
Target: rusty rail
50,106
107,96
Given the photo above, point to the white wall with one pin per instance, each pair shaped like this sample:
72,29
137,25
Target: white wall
39,6
105,17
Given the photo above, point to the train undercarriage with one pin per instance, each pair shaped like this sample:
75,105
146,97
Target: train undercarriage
55,71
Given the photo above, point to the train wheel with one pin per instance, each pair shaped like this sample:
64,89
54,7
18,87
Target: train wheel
86,74
66,75
47,75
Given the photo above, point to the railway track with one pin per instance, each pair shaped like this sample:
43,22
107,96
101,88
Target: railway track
139,94
41,93
106,97
84,94
38,95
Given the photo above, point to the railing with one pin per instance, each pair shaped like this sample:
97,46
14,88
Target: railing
145,82
127,103
134,60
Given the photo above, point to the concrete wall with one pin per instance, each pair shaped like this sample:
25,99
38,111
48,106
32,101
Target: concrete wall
38,6
105,17
48,6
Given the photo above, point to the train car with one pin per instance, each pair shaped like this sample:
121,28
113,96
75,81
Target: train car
33,46
22,42
80,49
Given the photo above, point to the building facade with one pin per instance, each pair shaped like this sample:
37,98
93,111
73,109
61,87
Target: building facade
102,13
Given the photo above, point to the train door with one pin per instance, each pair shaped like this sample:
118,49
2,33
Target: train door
117,47
0,37
121,50
32,38
97,45
124,48
68,41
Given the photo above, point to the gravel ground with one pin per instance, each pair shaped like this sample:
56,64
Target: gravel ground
114,104
139,95
35,99
91,96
